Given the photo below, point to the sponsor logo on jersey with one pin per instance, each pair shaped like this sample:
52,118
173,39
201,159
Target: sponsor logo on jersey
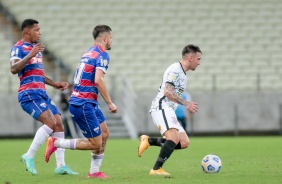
35,60
75,93
174,120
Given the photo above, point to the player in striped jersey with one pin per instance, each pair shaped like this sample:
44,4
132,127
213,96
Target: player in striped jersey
26,61
163,109
84,106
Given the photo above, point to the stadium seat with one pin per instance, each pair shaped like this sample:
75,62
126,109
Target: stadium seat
234,36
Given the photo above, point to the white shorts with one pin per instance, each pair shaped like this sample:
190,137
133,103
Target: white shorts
166,119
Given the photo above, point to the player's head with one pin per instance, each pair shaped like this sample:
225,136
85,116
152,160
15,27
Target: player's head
102,34
192,54
31,30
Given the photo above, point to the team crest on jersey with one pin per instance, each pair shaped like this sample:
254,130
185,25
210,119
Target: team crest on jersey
105,62
96,129
43,104
13,53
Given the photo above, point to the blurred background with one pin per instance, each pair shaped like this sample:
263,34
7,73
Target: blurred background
238,84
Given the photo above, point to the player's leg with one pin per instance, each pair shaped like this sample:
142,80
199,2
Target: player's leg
184,141
146,141
98,155
39,111
168,125
59,133
86,119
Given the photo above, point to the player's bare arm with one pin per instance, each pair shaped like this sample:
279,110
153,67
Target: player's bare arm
169,93
57,85
101,85
18,64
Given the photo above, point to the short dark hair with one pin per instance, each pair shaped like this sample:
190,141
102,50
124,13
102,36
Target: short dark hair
190,49
100,29
28,23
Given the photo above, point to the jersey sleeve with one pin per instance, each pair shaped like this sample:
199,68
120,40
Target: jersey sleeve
171,76
103,61
16,53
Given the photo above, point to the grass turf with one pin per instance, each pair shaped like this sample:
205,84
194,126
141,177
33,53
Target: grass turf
244,160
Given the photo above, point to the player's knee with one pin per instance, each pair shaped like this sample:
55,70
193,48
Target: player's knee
95,144
59,126
185,144
105,134
51,125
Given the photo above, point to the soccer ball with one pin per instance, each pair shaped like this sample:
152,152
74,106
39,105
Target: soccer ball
211,164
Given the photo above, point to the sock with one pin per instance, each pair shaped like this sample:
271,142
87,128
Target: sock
96,162
178,146
165,153
40,137
160,142
156,141
65,143
60,153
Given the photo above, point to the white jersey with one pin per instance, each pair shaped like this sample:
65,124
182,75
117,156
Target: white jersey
176,76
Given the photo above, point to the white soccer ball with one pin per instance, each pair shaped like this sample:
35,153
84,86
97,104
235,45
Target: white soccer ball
211,164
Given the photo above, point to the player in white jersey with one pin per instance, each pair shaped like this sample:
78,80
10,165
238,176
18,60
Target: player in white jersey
163,109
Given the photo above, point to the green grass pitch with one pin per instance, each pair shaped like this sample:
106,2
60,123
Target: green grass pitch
244,160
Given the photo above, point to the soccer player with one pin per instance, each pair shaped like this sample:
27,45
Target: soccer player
84,106
163,109
26,61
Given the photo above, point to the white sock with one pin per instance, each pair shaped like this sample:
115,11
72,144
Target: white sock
40,137
65,143
60,153
96,162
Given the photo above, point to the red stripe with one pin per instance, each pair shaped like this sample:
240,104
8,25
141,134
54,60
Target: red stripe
84,82
32,73
91,54
88,95
32,85
101,49
19,43
88,68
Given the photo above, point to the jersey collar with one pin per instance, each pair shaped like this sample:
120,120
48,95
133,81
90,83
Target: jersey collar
100,48
182,68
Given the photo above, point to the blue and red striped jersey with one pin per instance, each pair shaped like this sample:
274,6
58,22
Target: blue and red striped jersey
85,89
32,80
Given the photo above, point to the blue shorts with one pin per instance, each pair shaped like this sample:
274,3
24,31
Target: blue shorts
88,117
35,107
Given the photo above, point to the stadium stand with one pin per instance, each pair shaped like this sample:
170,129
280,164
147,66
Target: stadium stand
241,40
8,82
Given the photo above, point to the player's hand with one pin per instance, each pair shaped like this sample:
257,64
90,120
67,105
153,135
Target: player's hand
61,85
192,107
112,107
37,48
